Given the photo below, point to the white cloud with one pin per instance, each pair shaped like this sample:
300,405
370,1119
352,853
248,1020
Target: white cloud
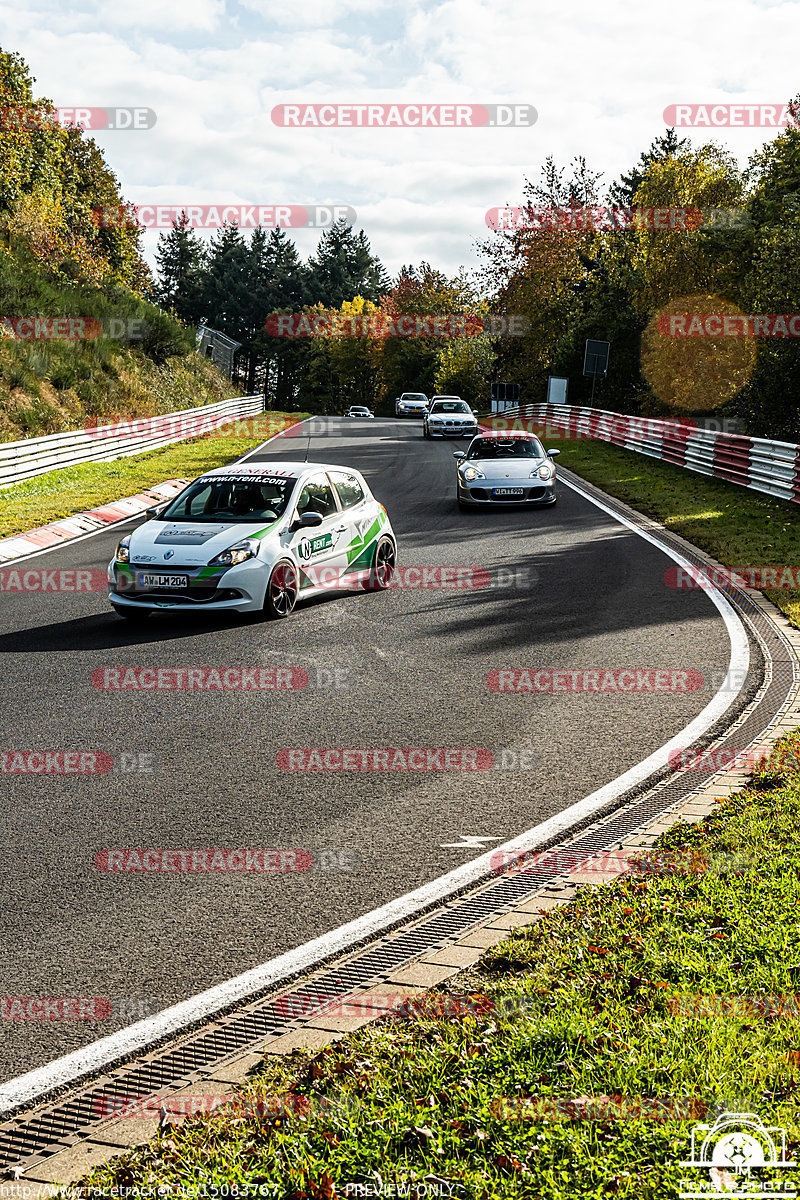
600,78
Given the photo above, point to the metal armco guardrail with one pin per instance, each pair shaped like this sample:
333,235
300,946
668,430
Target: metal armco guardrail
37,456
760,464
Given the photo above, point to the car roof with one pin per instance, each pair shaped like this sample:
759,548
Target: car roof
290,470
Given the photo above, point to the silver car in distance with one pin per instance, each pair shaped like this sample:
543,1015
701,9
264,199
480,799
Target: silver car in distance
503,467
449,416
411,404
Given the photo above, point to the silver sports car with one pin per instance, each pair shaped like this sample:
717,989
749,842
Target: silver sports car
501,467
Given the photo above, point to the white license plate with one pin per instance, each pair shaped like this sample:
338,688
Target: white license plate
508,492
163,581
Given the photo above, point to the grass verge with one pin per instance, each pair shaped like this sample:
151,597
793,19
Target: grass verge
585,1073
58,494
738,527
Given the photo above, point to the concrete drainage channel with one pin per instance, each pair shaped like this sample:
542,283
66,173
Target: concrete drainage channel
60,1139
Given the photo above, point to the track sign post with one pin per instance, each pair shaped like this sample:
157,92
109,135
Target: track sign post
595,359
556,389
504,395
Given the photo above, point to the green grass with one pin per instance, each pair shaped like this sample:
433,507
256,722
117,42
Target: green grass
47,386
584,1014
61,493
738,527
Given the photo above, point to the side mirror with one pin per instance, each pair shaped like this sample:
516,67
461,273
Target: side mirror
155,511
309,520
553,453
474,412
459,454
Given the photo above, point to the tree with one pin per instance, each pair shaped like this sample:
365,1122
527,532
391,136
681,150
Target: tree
536,270
279,285
181,258
768,281
53,181
343,267
624,191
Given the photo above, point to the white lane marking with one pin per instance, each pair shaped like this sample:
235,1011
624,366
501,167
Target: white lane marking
469,841
284,433
116,524
98,1055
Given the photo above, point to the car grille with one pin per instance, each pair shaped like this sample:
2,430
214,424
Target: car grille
534,493
196,593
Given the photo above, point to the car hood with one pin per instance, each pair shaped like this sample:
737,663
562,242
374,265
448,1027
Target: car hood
442,416
188,543
506,468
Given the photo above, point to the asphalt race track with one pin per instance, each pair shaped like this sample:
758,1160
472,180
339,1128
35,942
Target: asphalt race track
578,591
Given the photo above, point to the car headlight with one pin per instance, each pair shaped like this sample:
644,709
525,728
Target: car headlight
544,472
239,552
473,473
123,550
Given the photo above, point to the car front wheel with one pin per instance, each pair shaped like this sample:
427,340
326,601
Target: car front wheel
383,565
282,590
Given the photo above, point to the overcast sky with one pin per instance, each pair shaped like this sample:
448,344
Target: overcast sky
599,76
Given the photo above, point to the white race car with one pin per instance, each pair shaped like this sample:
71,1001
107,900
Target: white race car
356,410
254,537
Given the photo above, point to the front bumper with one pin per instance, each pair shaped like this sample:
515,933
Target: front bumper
480,493
240,588
453,430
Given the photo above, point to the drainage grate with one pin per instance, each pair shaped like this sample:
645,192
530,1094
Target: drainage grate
51,1128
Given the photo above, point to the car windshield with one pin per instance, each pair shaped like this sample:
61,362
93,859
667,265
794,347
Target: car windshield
450,406
231,498
506,448
415,396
